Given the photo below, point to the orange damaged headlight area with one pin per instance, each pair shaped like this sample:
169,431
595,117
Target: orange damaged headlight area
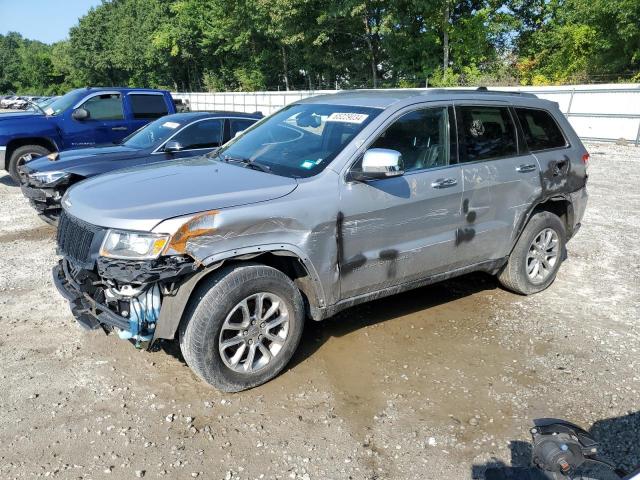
201,224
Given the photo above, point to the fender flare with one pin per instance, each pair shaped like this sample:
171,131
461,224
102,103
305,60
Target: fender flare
173,306
525,218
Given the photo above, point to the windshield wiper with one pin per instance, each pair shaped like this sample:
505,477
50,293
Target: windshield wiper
247,162
32,103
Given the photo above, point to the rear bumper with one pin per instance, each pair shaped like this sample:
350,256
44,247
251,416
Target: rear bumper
578,200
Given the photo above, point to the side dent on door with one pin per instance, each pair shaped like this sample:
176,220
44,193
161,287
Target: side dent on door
397,230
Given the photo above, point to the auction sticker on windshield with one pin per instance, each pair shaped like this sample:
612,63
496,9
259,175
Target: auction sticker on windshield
347,117
171,125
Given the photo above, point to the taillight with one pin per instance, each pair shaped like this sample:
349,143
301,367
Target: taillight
585,158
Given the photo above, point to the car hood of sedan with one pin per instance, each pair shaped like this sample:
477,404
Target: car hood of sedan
72,160
140,198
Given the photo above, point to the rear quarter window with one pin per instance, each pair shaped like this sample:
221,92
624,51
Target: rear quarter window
540,129
148,107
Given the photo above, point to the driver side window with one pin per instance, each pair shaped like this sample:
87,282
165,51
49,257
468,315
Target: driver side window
422,137
203,134
104,107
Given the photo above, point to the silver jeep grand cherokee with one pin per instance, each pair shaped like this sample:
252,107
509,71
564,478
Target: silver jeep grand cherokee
332,201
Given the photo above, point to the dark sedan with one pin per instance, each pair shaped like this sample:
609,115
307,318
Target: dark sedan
45,180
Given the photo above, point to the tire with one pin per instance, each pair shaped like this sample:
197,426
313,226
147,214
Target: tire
17,158
215,314
518,274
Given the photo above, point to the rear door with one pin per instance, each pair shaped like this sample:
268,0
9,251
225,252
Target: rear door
549,145
396,230
501,180
144,107
237,125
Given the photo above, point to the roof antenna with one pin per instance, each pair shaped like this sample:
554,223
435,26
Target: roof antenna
482,89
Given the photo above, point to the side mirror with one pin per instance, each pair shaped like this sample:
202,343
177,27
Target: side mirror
379,163
80,114
173,146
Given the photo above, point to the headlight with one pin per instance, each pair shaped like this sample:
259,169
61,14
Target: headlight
49,178
132,245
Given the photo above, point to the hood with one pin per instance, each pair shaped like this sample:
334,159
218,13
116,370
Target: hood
25,124
18,115
140,198
85,161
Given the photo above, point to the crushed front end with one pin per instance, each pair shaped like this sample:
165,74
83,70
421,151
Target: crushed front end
121,295
44,191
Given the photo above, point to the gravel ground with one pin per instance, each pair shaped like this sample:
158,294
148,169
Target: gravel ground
435,383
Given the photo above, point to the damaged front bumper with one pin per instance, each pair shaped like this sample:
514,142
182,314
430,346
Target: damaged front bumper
46,201
98,300
89,312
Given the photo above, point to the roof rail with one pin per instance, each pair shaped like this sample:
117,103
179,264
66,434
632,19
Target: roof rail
482,90
504,92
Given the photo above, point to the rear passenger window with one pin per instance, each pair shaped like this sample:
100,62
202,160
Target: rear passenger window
487,132
540,129
421,136
147,107
238,125
203,134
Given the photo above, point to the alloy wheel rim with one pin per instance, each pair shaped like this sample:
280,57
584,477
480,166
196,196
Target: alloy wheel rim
22,159
542,255
254,332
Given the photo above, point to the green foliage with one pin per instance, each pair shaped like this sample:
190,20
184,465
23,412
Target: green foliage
223,45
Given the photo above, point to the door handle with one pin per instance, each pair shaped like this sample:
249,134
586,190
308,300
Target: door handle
118,129
526,168
444,183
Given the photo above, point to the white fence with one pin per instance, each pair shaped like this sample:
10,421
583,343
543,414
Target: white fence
597,112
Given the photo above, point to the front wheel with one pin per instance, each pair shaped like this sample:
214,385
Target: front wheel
536,258
22,155
243,326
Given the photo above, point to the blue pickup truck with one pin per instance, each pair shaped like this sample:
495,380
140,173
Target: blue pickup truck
82,118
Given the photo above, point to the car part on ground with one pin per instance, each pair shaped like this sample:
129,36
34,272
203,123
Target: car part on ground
560,450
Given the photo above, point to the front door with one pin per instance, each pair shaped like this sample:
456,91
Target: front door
105,125
400,229
198,138
501,181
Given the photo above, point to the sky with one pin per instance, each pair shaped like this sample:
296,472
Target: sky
44,20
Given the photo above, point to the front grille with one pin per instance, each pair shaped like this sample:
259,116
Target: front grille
75,237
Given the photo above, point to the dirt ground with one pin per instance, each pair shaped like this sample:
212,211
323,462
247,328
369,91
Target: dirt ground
435,383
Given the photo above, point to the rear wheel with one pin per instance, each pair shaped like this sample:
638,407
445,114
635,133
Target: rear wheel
22,155
537,256
243,326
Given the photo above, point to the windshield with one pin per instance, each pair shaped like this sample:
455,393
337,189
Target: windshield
43,104
299,140
152,134
60,104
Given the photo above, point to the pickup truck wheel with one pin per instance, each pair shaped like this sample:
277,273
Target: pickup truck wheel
242,327
537,256
22,155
